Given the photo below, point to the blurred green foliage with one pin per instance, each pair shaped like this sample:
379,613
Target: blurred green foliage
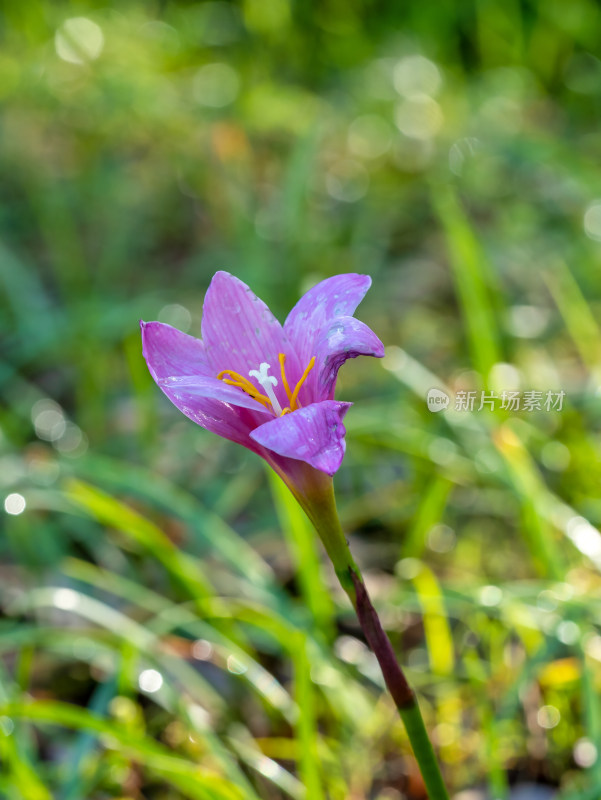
167,629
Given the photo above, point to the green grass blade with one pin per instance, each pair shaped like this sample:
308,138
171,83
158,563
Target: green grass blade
471,281
306,726
194,781
109,511
580,321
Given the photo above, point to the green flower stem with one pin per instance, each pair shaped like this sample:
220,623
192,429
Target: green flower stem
320,507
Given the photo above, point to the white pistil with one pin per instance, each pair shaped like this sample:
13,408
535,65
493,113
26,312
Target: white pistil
267,382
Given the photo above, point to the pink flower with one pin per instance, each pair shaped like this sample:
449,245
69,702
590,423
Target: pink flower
266,386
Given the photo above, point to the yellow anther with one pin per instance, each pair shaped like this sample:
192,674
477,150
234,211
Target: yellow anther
235,375
294,404
237,380
243,383
282,358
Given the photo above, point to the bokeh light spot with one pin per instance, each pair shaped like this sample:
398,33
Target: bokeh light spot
583,73
73,441
419,117
222,23
461,151
592,221
202,650
490,595
177,316
235,666
369,136
409,568
555,456
48,420
350,649
216,85
266,16
79,40
441,539
585,753
150,680
65,599
347,181
14,504
586,538
416,75
548,717
527,322
568,632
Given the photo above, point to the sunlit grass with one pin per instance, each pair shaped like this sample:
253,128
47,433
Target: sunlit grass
169,628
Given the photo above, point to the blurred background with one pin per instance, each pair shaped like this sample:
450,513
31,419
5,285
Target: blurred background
169,628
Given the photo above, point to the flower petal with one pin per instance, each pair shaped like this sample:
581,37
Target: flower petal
314,434
239,331
335,297
169,352
216,406
342,338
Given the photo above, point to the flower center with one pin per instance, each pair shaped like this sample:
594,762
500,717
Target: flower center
268,383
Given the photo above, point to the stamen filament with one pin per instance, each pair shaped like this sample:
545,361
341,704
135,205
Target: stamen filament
282,358
294,404
253,393
235,375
